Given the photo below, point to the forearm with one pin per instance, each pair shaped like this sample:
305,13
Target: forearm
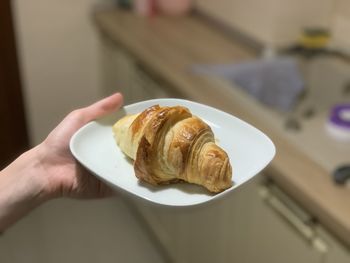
21,188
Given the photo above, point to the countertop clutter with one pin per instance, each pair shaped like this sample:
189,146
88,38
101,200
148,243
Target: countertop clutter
168,46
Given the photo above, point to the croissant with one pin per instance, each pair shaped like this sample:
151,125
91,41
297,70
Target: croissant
169,145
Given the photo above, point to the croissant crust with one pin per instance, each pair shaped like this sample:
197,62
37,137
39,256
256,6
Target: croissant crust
169,145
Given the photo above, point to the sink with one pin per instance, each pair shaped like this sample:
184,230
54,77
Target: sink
327,82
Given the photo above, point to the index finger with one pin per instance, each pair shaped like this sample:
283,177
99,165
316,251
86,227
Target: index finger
102,107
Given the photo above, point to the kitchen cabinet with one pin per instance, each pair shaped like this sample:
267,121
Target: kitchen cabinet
121,72
257,223
168,47
279,231
337,252
251,225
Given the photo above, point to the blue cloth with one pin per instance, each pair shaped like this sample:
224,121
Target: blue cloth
276,82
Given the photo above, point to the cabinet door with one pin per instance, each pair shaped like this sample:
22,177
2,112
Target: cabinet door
239,228
337,252
276,233
190,234
209,233
117,71
122,72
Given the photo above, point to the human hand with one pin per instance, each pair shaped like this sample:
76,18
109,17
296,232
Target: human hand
65,177
49,170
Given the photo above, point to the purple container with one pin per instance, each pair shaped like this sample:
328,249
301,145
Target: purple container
339,121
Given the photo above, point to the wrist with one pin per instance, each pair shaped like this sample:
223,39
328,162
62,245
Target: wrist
29,170
21,187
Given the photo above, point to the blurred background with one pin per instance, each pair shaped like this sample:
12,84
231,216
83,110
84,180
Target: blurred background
281,65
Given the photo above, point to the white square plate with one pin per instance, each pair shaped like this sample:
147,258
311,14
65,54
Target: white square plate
249,151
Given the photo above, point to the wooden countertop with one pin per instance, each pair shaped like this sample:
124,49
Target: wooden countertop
167,46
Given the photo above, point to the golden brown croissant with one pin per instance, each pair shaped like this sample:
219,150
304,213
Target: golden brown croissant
169,144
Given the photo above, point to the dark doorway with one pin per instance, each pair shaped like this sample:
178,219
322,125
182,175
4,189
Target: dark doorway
13,131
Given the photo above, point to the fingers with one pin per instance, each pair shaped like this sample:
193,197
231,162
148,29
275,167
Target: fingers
88,186
102,107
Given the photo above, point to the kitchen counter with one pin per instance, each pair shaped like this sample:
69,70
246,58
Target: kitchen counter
168,46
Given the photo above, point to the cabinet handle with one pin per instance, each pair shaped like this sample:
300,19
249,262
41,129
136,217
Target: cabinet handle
305,231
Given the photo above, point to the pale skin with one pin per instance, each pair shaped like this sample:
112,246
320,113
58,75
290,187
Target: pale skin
49,170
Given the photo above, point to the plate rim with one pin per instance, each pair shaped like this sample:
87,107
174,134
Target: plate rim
217,196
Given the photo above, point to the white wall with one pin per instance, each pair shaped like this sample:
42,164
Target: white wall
341,24
272,22
58,50
59,57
